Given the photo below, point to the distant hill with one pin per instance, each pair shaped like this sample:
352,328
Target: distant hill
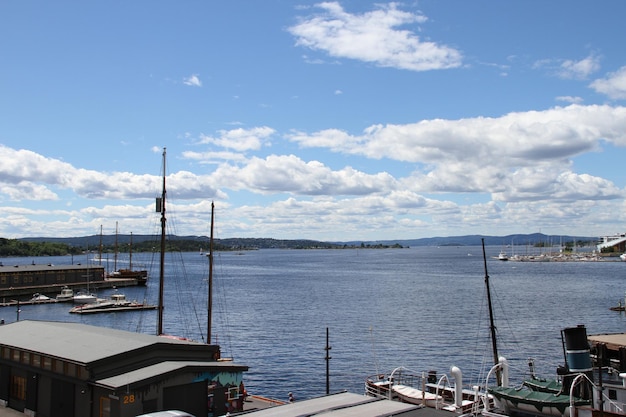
140,242
474,240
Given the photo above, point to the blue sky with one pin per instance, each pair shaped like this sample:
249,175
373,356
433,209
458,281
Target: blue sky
349,120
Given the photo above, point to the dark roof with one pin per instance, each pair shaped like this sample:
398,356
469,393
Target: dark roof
44,267
157,370
347,404
75,342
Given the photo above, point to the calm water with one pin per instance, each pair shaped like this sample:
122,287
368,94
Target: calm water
423,308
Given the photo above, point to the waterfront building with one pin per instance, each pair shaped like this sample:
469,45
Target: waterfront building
74,370
617,242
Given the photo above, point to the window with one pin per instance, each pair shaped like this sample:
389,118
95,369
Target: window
18,387
26,358
47,363
233,393
36,360
105,407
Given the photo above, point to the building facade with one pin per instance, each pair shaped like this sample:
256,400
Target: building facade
53,369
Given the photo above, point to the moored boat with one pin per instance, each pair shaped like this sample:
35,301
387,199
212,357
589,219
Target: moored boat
40,299
66,295
117,302
427,389
577,391
139,275
84,297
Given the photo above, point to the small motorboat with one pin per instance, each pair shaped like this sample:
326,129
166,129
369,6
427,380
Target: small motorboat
40,299
66,295
84,298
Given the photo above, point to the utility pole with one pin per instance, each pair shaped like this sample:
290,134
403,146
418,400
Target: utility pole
327,358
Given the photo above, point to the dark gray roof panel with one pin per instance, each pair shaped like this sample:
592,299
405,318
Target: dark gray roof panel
344,404
159,369
76,342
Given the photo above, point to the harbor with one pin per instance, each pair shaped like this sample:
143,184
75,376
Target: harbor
20,282
273,306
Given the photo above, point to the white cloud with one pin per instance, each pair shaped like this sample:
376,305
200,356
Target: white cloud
613,85
290,174
240,139
579,69
515,139
373,37
570,99
551,182
25,175
570,69
214,157
491,154
516,161
193,81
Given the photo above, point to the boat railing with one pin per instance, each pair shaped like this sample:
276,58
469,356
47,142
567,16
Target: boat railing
614,406
487,400
380,385
405,376
441,391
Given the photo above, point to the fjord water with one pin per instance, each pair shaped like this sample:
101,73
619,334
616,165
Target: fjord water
423,308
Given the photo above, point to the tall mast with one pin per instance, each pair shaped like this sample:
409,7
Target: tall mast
130,253
210,296
492,326
100,248
116,249
161,208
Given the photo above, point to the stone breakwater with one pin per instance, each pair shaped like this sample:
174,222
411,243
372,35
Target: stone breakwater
563,257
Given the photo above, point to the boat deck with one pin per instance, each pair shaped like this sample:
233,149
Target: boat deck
613,341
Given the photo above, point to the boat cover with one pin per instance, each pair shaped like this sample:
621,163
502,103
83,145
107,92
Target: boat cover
539,400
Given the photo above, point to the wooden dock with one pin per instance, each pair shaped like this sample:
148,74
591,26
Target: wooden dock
10,297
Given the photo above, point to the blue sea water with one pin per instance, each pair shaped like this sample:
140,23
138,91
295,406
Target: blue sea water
423,308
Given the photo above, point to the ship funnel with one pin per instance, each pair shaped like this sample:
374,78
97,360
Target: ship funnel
577,358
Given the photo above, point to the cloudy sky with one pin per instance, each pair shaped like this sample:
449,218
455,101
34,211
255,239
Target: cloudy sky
338,120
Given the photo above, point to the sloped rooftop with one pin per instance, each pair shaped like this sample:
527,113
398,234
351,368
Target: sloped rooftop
77,342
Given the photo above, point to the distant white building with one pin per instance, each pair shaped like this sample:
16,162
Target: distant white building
617,242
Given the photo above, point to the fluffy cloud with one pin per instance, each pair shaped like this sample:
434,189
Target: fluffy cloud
373,37
579,69
240,139
613,85
509,163
569,68
290,174
193,81
515,139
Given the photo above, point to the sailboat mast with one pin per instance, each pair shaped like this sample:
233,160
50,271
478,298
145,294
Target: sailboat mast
130,253
116,249
492,326
100,248
210,295
161,208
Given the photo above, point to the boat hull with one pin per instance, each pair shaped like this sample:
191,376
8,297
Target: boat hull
524,401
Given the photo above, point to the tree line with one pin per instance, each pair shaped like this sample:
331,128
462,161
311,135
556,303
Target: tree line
14,247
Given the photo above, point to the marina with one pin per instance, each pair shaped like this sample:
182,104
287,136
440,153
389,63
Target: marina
114,303
20,280
272,308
